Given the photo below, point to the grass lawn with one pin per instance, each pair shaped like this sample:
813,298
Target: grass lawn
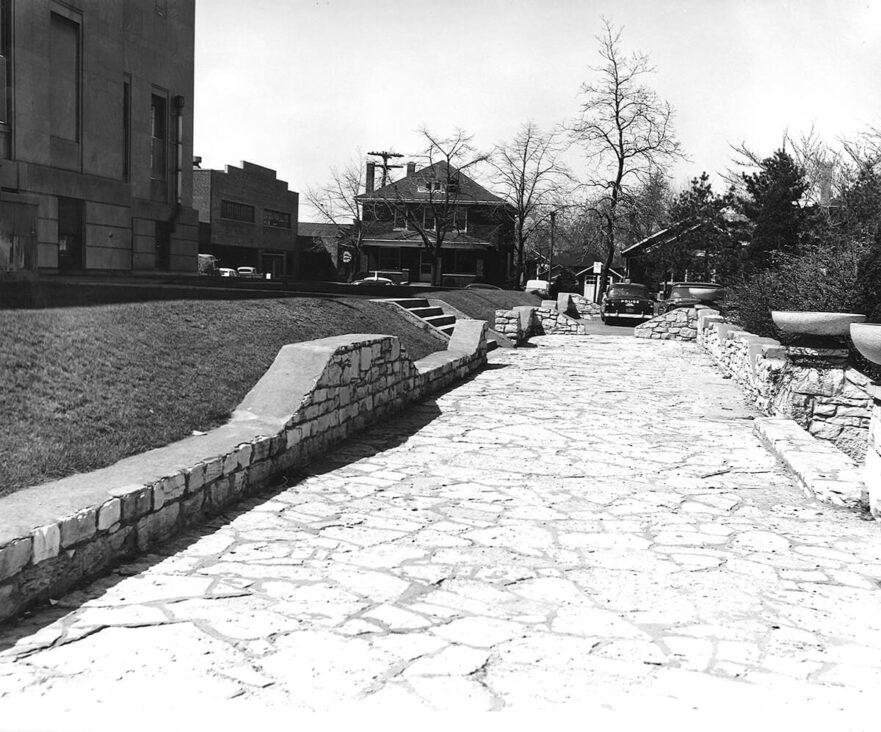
84,387
482,304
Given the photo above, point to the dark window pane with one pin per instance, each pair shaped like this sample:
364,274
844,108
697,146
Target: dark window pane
236,211
64,75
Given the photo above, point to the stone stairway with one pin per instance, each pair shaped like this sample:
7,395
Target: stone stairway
434,315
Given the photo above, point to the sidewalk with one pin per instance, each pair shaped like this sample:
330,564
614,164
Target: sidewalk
589,522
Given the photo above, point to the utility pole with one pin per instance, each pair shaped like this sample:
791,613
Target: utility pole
385,155
551,250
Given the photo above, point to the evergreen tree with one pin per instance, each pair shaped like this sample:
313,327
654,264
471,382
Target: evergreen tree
773,207
709,242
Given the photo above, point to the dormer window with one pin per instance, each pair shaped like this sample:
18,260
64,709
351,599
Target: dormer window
430,186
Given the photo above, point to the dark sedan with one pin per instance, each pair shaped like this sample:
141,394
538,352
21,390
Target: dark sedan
627,301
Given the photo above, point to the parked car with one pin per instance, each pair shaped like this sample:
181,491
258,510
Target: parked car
373,280
627,301
689,294
227,272
538,286
481,286
248,272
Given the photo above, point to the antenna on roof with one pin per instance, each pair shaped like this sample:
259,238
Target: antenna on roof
385,155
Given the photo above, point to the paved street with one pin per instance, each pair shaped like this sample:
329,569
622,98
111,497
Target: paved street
590,521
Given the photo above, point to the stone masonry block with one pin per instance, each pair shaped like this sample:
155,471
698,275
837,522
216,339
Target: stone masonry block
14,556
47,542
109,513
260,449
168,489
213,469
195,477
79,527
191,508
219,493
243,455
8,601
156,526
137,501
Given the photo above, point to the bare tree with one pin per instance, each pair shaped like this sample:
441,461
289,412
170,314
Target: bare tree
436,213
337,203
529,174
626,132
825,169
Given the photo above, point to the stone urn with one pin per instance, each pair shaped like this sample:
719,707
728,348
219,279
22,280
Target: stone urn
815,323
867,339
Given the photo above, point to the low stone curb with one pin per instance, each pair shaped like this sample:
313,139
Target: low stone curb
822,470
524,321
677,325
313,396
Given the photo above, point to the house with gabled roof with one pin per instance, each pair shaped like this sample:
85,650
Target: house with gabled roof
436,217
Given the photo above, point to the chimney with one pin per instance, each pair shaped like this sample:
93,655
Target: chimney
411,168
371,174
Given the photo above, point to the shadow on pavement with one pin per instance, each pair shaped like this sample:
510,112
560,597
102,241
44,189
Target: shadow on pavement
376,438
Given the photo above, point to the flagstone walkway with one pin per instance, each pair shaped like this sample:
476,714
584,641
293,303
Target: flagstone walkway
589,522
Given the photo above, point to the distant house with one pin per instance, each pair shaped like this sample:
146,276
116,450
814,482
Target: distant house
478,243
653,259
247,218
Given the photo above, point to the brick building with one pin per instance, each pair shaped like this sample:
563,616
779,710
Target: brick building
247,217
95,123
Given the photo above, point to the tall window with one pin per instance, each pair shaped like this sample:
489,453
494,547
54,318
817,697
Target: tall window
4,61
158,146
64,65
126,128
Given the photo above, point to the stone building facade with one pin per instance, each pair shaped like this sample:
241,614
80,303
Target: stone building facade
247,217
95,126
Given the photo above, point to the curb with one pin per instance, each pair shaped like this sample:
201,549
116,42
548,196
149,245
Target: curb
822,470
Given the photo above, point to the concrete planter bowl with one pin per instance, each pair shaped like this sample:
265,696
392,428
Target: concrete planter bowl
815,323
867,339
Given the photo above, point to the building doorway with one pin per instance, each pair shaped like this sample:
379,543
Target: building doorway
70,234
163,245
272,263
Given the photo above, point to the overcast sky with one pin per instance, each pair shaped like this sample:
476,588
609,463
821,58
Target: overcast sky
300,85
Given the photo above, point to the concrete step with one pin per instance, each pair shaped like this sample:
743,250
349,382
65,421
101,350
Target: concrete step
438,321
412,302
426,312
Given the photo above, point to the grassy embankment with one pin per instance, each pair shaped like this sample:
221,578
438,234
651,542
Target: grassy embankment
83,387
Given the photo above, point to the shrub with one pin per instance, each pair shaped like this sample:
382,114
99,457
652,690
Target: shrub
822,276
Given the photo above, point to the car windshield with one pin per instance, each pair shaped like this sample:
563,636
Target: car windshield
627,291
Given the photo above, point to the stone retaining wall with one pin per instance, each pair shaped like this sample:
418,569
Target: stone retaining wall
585,307
315,394
817,388
525,321
679,325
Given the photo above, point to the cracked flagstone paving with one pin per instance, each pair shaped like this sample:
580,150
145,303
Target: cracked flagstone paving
590,521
